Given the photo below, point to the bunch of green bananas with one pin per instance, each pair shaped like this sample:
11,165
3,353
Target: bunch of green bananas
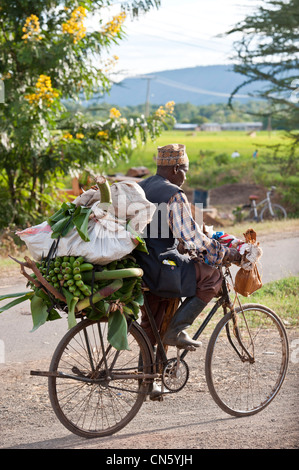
67,272
83,280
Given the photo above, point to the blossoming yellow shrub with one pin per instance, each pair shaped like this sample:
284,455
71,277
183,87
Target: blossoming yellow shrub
74,26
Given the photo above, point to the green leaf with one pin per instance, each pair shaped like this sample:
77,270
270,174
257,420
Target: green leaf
39,311
62,227
139,298
22,297
53,315
71,304
141,242
117,330
81,223
11,296
56,217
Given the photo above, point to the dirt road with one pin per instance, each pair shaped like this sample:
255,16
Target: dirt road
186,420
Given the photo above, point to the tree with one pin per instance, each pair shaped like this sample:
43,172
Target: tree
268,54
47,56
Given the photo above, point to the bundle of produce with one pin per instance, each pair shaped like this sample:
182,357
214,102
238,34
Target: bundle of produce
107,230
70,284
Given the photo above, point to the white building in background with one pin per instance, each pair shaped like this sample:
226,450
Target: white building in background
210,127
216,127
242,126
186,127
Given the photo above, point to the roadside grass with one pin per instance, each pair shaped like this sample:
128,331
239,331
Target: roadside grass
281,296
264,230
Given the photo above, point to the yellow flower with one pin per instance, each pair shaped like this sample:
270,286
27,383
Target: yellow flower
170,106
113,27
74,26
31,29
114,113
160,113
79,136
67,135
43,91
103,134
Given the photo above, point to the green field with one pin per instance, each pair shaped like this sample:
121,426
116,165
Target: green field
224,142
211,164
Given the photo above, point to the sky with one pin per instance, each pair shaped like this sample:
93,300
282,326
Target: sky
180,34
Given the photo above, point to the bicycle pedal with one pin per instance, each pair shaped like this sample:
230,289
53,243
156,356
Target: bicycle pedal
156,398
188,348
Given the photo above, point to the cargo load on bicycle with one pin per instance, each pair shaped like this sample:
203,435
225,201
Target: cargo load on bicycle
82,258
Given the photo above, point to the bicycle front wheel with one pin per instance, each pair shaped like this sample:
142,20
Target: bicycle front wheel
96,390
279,213
243,384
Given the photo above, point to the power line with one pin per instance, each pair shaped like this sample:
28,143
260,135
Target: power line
182,86
182,42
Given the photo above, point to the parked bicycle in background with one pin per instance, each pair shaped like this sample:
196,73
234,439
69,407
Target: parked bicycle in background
263,210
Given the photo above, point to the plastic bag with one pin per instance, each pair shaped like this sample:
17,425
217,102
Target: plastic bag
109,241
109,238
129,204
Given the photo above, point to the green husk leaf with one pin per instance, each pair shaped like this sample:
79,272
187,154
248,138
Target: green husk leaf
53,315
21,297
117,330
62,227
81,223
71,304
141,242
139,298
39,311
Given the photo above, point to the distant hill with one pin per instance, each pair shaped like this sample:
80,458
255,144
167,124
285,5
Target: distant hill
200,85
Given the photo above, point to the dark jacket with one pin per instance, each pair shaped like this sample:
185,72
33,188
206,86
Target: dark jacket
162,279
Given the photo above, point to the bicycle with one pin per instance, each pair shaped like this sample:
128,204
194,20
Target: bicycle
95,390
269,211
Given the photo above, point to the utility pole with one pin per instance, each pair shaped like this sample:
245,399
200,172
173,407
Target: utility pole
148,78
147,101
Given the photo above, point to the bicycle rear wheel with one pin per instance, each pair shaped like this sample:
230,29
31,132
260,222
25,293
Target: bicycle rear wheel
279,213
100,395
239,386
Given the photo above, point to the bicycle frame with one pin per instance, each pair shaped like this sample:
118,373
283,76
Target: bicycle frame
267,201
224,301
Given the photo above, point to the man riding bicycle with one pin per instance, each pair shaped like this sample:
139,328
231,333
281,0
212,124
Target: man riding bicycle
168,272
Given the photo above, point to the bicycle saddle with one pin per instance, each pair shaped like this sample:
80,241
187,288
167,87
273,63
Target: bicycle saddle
252,197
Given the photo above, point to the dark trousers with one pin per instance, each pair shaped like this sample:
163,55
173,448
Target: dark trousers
208,284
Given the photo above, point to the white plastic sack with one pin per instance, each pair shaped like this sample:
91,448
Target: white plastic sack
128,204
109,241
38,239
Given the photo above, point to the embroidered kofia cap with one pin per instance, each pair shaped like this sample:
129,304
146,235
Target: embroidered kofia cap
172,154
